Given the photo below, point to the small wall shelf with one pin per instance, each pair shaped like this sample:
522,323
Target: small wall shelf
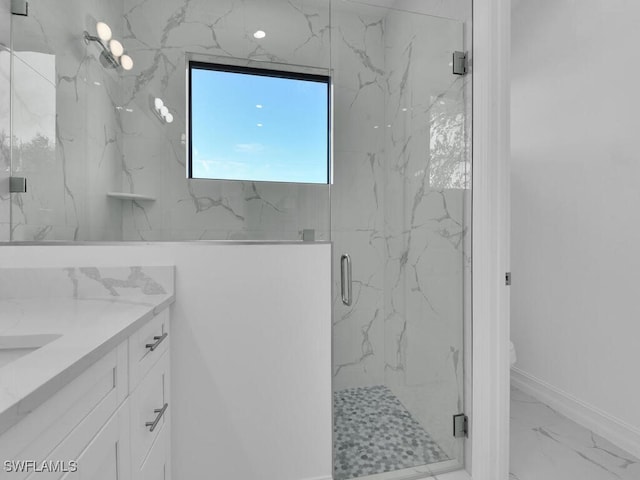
130,196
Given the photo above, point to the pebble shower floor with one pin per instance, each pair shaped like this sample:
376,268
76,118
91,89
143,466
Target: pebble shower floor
374,433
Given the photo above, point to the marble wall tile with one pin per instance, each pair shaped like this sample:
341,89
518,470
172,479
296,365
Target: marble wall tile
358,330
424,221
65,124
401,171
85,282
398,207
155,154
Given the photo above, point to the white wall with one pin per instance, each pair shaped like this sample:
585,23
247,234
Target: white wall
576,194
251,352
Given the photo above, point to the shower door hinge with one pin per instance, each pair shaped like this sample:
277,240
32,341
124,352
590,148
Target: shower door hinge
460,426
507,279
20,7
460,63
17,185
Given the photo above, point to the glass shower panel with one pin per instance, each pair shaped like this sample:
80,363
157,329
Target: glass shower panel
5,120
398,210
67,136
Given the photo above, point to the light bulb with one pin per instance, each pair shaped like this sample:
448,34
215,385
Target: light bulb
164,111
104,31
168,118
126,61
158,103
259,34
116,47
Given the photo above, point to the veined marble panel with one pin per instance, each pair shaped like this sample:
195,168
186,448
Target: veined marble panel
358,330
424,222
66,125
85,282
155,153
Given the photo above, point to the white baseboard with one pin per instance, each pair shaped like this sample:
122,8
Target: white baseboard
607,426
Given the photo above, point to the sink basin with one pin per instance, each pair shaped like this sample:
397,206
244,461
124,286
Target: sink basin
13,347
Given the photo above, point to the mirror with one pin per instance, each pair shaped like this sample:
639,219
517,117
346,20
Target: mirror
103,162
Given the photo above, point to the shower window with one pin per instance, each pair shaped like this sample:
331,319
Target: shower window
258,124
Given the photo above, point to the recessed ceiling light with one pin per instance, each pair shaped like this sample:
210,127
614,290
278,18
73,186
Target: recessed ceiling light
259,34
258,106
259,124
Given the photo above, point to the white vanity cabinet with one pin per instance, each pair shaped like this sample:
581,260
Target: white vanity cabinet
149,400
111,422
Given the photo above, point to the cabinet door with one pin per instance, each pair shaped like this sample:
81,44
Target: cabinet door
148,406
157,465
60,428
106,456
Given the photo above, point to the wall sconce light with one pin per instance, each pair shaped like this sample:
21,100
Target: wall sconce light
112,55
162,111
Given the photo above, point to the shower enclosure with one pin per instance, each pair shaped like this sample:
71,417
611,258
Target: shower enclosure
399,228
101,165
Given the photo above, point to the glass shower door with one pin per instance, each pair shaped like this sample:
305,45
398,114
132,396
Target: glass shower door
401,176
65,124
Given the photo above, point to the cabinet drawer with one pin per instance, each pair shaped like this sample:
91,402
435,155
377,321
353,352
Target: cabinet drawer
157,465
146,346
147,404
80,408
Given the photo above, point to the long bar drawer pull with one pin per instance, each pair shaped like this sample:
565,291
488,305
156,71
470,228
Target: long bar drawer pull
159,340
160,412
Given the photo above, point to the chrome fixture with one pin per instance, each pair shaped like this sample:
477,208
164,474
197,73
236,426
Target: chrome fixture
112,54
158,340
162,111
17,185
20,7
345,280
159,413
460,63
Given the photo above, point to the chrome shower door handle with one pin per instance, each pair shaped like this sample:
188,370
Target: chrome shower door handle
345,279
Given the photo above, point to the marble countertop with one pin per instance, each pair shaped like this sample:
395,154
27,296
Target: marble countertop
77,330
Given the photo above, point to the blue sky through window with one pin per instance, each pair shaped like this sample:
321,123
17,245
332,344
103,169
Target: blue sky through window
261,128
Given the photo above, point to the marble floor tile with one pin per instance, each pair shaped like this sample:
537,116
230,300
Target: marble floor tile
548,446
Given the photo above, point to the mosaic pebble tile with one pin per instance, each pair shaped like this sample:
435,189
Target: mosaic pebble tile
374,433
